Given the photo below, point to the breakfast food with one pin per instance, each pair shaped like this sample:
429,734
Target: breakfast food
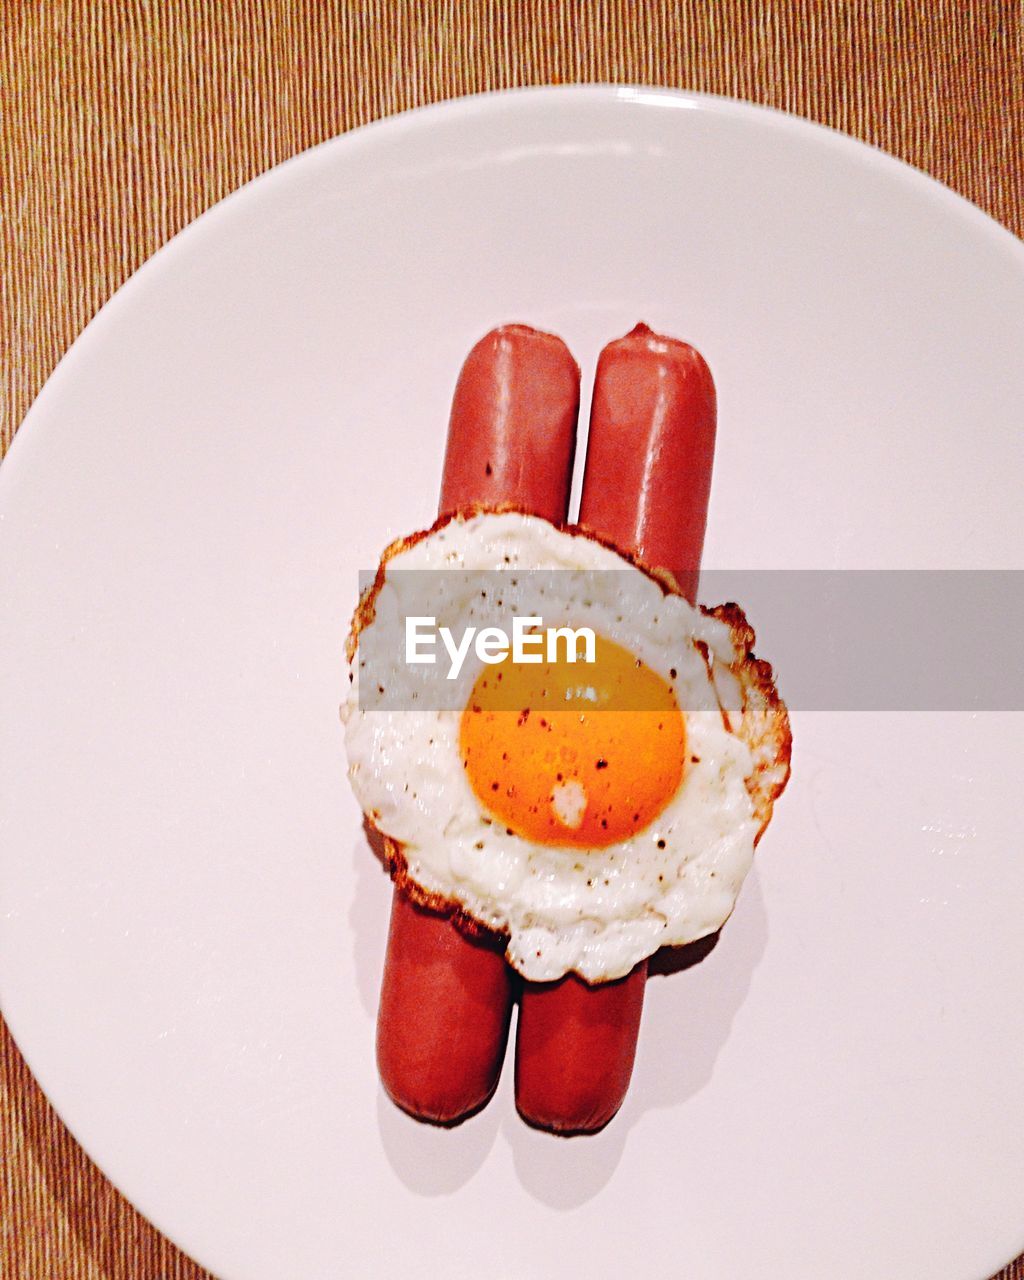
650,450
588,818
581,822
446,998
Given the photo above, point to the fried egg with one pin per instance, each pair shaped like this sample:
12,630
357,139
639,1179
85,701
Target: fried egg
588,813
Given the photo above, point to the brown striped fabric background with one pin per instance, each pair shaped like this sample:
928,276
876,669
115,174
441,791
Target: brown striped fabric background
121,120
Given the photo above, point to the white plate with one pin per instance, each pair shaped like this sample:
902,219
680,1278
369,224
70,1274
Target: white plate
191,931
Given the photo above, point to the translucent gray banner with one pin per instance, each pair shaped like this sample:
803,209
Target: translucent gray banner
872,640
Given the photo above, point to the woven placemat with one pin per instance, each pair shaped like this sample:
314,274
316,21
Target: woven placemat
121,120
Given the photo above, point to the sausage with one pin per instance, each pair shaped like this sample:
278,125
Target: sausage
575,1046
650,452
645,488
512,432
443,1016
445,1000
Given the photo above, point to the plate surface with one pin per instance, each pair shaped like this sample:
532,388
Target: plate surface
191,930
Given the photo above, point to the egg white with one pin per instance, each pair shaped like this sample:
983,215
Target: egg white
593,912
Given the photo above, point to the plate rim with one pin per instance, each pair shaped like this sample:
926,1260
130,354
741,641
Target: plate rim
657,97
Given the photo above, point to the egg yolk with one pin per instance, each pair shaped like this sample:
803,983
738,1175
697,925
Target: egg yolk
581,754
